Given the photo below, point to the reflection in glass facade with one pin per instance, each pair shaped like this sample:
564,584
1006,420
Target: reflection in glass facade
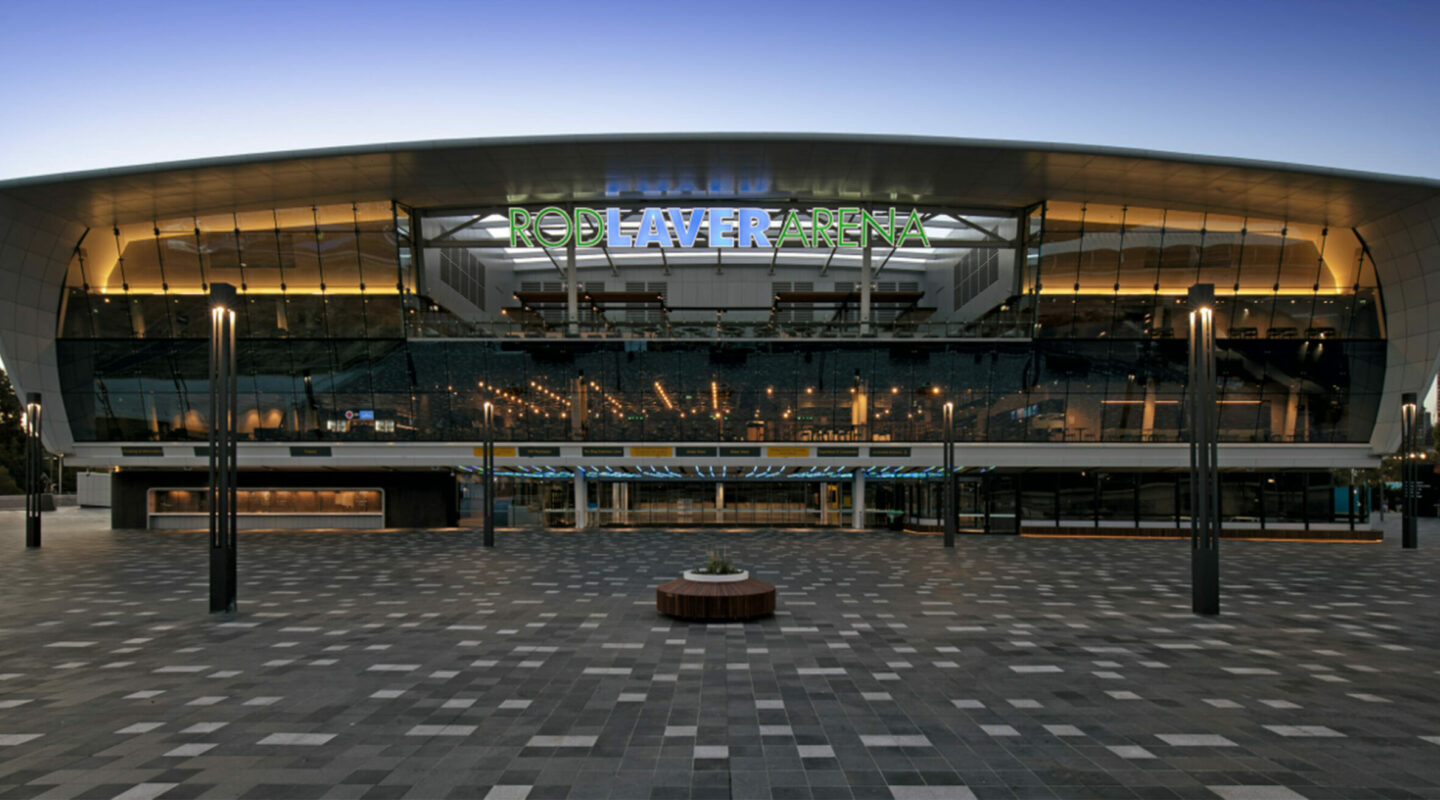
1041,391
1088,347
1107,271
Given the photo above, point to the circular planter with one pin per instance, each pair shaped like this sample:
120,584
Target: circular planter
692,575
715,598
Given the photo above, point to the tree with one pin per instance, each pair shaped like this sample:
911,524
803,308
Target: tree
8,484
12,437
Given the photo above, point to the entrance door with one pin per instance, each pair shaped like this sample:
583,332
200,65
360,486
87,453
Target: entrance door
470,500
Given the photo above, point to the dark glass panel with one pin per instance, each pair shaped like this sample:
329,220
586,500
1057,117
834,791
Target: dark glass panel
1076,495
1037,497
263,316
1117,497
77,319
1157,496
346,315
383,316
265,367
305,316
1240,497
111,317
190,316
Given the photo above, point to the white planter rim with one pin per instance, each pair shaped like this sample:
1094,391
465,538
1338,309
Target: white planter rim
692,575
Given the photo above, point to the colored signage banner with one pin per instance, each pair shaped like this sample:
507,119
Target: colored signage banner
739,452
652,452
889,452
148,452
500,452
787,452
695,452
832,228
309,452
603,452
838,452
539,452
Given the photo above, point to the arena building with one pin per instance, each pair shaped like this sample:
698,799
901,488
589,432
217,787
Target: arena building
724,329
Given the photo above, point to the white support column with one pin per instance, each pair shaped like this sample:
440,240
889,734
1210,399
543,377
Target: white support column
867,277
572,291
582,502
857,501
824,504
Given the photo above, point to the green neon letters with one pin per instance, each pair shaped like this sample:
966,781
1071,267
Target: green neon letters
848,227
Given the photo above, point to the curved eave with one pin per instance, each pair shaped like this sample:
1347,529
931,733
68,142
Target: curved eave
802,167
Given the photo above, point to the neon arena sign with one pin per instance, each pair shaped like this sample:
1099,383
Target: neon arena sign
728,227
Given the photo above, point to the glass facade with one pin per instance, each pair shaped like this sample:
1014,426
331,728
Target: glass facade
1092,349
1120,499
1107,271
1040,391
323,272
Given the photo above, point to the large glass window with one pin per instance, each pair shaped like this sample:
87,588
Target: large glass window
1097,352
339,389
301,272
1117,271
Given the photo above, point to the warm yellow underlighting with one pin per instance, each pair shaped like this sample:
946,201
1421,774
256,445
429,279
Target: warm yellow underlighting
1179,292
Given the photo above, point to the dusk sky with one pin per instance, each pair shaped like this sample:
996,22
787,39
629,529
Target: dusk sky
93,85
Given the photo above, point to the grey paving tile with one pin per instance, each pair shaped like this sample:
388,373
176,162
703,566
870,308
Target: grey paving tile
417,664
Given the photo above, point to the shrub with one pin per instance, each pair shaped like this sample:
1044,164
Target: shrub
717,562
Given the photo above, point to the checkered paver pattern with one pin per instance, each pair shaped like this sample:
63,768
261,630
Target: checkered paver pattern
418,664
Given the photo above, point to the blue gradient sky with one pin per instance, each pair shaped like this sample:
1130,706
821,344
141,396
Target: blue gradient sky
92,85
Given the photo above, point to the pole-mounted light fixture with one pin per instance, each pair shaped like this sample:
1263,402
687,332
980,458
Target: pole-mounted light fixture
34,468
1204,423
487,458
1409,471
949,473
224,472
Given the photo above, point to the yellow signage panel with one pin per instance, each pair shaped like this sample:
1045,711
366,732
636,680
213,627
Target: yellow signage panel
787,452
500,452
652,452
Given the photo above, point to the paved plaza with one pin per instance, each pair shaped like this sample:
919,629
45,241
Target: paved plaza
418,664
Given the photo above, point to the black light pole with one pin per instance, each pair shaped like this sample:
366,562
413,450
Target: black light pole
1204,454
488,459
33,469
950,511
1409,472
223,573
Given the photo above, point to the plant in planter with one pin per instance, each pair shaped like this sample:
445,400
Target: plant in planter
717,569
717,562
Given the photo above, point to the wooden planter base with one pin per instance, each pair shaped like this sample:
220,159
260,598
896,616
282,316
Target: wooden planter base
738,600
